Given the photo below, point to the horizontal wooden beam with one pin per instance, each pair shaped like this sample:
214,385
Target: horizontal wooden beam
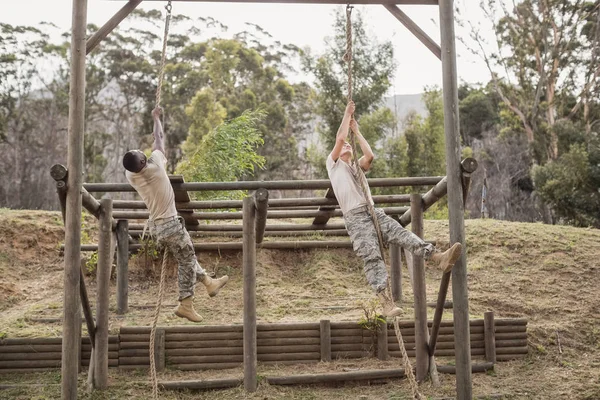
109,26
415,30
269,185
356,2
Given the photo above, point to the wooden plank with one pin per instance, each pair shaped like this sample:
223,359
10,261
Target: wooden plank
335,377
382,341
201,385
249,265
396,272
159,350
323,219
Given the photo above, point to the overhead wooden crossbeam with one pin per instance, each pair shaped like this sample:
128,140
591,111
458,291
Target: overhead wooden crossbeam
108,27
415,30
354,2
182,196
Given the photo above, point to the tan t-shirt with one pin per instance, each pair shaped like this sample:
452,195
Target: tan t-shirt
345,184
153,185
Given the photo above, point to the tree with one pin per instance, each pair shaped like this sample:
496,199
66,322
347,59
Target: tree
226,153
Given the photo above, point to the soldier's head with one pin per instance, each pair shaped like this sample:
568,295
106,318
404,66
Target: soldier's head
134,161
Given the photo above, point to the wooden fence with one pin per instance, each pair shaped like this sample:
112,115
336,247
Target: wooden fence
192,347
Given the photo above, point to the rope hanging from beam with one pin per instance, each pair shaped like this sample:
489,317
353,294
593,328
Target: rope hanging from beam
161,285
364,185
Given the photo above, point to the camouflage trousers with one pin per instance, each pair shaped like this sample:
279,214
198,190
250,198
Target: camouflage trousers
175,238
365,243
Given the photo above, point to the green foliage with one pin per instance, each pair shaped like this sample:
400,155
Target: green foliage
91,264
570,185
227,153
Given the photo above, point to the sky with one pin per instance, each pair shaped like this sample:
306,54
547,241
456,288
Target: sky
299,24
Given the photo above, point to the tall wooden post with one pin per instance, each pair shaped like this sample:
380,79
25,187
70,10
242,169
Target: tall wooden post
489,336
71,313
396,271
249,260
102,295
122,265
420,293
462,340
325,333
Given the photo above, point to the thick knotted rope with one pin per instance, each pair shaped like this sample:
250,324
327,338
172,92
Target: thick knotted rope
363,183
163,270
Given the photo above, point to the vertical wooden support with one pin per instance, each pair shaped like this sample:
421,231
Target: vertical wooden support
249,261
489,336
71,314
382,340
462,342
102,296
325,340
396,271
159,350
122,266
261,202
420,292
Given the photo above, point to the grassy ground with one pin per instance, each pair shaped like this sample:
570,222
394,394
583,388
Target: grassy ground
546,274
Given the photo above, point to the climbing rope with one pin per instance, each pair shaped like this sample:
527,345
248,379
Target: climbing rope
155,322
364,185
161,72
163,270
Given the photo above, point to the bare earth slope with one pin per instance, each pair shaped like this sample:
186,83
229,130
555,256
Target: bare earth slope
547,274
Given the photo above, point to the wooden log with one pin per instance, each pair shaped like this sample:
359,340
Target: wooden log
511,343
511,329
325,345
468,166
205,367
249,264
420,293
122,266
350,354
396,272
100,375
305,326
512,350
335,377
415,30
510,336
30,364
490,337
206,351
185,329
25,370
55,355
342,2
134,345
87,309
460,293
478,367
477,344
509,357
111,24
231,215
72,256
201,385
273,203
382,341
347,339
429,199
85,355
134,361
269,185
223,358
29,341
290,356
261,198
510,321
145,352
447,305
336,348
439,353
159,350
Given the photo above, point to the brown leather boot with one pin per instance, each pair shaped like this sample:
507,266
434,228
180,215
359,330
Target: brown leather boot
389,308
447,259
185,309
214,285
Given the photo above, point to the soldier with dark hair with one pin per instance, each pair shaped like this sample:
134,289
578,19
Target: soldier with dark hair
149,178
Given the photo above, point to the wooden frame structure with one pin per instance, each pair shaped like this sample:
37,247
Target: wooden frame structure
80,46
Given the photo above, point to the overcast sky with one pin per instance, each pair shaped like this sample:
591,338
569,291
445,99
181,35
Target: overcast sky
302,25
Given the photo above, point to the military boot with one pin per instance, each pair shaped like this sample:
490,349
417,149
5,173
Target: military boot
447,259
214,285
390,309
185,309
